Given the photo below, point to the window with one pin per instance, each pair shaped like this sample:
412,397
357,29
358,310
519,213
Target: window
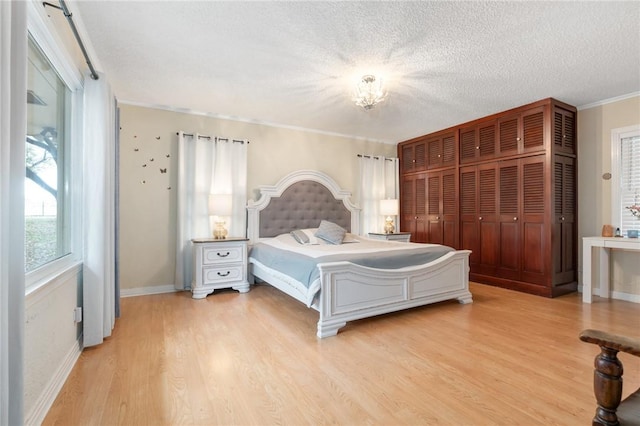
47,230
626,182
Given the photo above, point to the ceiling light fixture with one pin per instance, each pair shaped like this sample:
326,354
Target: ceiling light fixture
369,92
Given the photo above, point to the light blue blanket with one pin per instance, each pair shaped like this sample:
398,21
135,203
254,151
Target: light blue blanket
304,269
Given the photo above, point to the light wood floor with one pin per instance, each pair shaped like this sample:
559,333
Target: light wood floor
253,359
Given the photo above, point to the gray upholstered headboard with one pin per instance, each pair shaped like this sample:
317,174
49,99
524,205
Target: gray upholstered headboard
300,200
303,205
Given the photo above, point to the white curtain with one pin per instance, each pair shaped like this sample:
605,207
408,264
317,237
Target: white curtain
99,213
206,166
13,130
378,181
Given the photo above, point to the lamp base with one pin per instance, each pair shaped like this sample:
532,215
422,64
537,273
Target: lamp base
389,228
219,232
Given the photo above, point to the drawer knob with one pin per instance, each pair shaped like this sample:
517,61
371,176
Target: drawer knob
223,255
224,275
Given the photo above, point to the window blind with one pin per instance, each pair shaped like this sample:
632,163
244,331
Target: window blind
629,181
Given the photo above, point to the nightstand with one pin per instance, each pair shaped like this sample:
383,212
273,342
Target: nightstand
402,237
219,264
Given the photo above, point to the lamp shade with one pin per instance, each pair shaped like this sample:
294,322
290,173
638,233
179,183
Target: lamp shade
389,207
220,204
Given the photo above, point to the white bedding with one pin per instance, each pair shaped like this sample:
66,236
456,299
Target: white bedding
353,246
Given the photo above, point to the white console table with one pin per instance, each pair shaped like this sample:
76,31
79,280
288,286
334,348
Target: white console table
604,246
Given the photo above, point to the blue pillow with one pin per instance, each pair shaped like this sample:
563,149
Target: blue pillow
300,236
330,232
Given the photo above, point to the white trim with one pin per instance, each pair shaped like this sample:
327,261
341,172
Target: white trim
616,136
52,46
618,295
146,291
608,101
53,278
51,391
248,120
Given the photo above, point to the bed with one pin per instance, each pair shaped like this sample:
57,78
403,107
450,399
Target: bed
343,290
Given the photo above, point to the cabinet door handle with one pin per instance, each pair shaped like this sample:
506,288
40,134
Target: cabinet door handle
480,218
416,217
518,139
477,147
562,218
224,275
515,218
223,255
437,217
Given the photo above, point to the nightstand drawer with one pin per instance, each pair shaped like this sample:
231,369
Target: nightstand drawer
224,254
222,274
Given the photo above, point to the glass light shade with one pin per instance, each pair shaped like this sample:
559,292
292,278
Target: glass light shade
369,92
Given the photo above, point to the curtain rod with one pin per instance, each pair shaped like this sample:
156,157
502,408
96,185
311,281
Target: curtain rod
374,157
217,138
68,15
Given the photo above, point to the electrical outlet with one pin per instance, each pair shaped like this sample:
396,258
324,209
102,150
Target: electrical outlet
77,314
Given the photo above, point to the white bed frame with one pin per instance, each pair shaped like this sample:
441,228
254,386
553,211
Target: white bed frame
350,292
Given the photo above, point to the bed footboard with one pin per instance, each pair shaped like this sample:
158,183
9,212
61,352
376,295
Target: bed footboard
350,292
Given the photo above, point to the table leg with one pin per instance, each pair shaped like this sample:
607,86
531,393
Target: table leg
604,272
586,272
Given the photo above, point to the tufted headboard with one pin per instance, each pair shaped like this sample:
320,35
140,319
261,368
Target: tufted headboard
300,200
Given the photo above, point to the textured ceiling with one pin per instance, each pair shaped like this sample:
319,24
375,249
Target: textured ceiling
296,63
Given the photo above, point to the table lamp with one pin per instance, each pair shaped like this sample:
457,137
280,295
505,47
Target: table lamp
389,208
219,208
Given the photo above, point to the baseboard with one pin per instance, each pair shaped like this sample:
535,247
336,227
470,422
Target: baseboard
48,396
145,291
628,297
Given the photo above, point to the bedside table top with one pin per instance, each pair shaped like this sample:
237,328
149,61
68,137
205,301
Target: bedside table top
392,233
217,240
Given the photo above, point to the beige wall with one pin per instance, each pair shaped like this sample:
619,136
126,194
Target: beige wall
148,210
594,193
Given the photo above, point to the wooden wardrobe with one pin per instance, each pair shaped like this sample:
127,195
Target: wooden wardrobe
504,187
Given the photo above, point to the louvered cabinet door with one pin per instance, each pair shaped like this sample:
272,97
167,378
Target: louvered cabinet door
449,214
413,157
564,131
509,138
521,133
509,211
414,207
488,219
449,144
564,216
434,198
532,131
535,241
478,142
441,150
442,214
468,145
469,230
